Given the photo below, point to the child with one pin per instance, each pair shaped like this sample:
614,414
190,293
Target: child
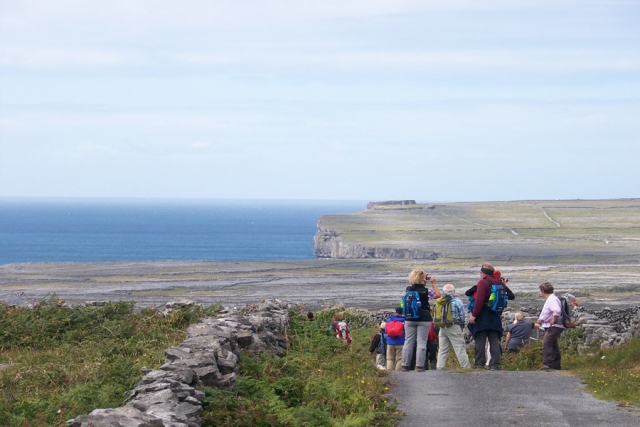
432,347
341,328
395,340
379,345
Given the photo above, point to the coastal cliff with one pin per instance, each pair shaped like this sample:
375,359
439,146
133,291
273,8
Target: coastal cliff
329,244
542,231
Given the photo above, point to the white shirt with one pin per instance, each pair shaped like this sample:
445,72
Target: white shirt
552,308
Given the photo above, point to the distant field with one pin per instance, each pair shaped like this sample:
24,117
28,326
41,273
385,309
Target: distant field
520,232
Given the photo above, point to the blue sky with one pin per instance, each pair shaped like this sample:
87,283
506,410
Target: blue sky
359,100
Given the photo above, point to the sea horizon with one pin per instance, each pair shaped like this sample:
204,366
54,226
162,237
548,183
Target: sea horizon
151,229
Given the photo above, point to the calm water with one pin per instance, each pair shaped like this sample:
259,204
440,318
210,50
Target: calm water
161,230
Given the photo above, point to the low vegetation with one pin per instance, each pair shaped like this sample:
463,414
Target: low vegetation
66,361
320,382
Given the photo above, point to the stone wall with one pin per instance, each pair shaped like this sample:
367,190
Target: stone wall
608,327
169,396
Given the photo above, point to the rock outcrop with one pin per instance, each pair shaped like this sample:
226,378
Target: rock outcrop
329,244
608,328
169,396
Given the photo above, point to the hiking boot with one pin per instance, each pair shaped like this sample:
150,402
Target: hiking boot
420,369
495,368
432,365
404,369
545,368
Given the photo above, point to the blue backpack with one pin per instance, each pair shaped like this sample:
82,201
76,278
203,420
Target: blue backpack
382,347
412,305
496,302
497,299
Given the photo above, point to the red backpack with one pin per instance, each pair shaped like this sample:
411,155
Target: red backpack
433,336
394,328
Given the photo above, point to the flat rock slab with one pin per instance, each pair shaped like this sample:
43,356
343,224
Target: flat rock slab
504,398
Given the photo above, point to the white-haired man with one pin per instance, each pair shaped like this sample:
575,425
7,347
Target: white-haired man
451,336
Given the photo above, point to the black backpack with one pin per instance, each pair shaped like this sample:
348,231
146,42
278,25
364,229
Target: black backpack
568,319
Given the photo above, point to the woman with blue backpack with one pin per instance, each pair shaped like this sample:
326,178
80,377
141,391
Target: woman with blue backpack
417,314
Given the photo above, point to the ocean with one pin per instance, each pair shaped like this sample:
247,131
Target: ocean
143,230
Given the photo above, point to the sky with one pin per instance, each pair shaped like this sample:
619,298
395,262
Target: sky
323,100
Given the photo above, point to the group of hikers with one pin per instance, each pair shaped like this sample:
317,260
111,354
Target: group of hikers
413,335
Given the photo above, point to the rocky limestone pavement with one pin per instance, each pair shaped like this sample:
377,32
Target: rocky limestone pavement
170,396
610,328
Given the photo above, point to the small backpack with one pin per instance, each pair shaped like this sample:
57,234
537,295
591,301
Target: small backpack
443,315
412,305
433,335
567,316
394,328
497,300
382,346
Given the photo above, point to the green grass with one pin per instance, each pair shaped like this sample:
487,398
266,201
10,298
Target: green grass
320,382
71,360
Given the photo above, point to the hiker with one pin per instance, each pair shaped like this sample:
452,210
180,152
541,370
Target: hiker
485,322
395,340
518,333
551,312
417,319
379,346
451,335
341,328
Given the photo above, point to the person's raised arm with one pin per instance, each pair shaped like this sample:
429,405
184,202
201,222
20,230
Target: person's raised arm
435,287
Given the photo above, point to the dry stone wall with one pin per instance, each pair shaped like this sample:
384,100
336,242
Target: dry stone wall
170,395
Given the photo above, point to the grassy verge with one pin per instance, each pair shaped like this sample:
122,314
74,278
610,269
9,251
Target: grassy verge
320,382
612,374
67,361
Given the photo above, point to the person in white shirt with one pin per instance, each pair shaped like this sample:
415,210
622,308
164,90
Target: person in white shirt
548,320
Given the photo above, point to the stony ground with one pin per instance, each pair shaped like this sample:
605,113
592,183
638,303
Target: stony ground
318,283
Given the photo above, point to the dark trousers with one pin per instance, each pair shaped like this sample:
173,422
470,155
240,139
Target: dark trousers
480,357
550,349
432,354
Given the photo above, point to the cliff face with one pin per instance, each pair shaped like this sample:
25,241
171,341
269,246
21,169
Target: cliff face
329,244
